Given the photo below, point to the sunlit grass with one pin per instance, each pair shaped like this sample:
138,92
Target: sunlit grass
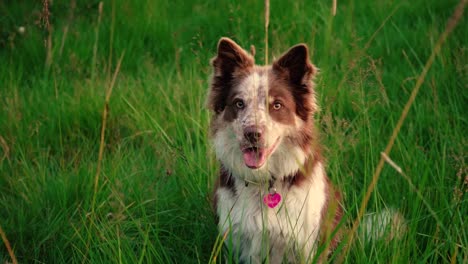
152,203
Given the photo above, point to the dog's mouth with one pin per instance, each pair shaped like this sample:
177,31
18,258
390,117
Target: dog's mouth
256,156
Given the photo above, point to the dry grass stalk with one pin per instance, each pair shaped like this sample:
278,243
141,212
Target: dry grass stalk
8,247
102,143
6,149
46,24
334,7
267,23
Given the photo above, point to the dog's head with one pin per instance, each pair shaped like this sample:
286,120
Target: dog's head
262,120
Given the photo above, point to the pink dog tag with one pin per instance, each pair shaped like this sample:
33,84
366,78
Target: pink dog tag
272,199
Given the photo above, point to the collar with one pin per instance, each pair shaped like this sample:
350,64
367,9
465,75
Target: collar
271,183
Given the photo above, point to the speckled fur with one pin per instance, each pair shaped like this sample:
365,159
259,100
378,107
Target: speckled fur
290,231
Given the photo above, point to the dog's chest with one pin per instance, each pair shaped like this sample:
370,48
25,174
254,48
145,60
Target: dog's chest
295,219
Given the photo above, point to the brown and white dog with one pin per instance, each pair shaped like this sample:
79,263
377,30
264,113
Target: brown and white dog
273,199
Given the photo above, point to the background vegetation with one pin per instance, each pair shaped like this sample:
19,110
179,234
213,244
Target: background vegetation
151,203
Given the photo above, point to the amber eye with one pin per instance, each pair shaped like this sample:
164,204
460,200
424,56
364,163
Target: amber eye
239,104
277,105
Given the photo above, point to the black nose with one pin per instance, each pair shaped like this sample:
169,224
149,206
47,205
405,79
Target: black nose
253,134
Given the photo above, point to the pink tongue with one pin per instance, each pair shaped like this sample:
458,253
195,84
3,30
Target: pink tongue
254,159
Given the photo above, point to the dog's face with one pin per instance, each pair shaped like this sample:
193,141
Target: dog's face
262,122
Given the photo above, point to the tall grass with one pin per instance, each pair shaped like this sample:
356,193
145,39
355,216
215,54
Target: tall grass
152,198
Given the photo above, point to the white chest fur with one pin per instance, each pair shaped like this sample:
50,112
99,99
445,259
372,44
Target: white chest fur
288,231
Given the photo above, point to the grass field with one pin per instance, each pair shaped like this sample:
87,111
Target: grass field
146,198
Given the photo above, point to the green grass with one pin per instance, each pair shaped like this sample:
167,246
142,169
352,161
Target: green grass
152,203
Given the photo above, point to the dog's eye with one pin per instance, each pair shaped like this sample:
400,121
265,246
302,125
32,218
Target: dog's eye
239,104
277,105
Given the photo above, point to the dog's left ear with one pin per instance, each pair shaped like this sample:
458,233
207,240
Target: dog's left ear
295,65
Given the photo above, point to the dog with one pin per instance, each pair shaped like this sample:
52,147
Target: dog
273,200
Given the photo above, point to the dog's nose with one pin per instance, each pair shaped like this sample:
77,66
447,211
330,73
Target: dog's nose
253,134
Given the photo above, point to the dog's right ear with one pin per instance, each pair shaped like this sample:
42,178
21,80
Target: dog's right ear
230,63
295,65
230,59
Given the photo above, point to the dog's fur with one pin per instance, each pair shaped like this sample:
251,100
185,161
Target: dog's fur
262,129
